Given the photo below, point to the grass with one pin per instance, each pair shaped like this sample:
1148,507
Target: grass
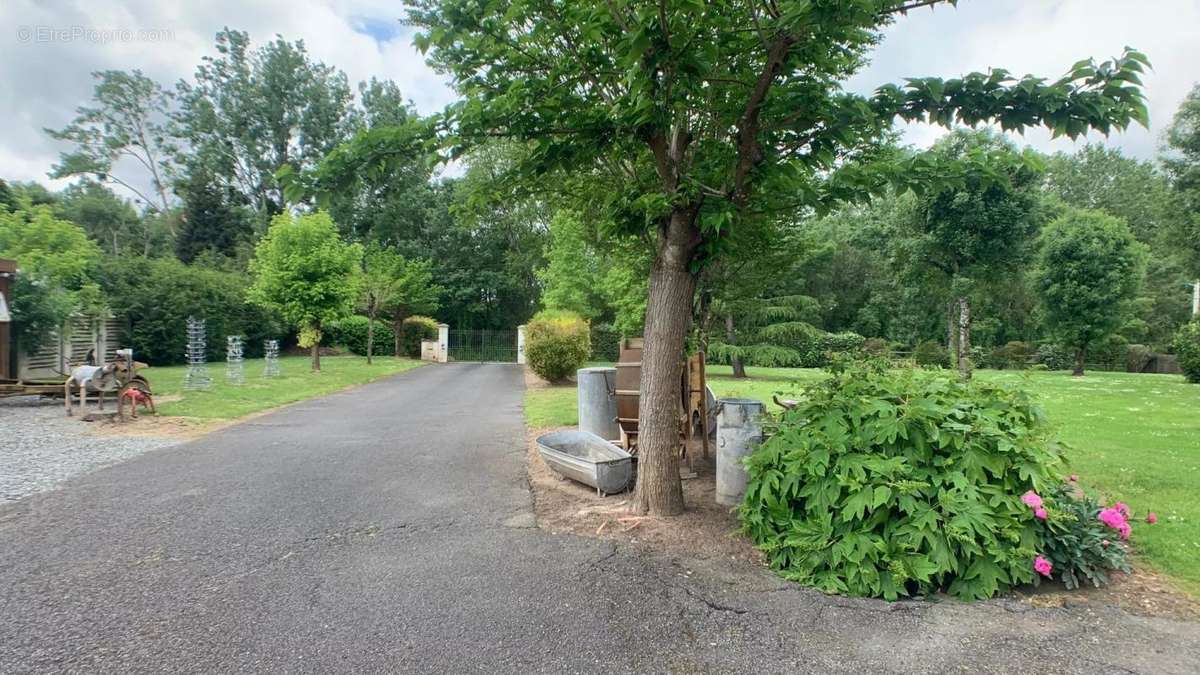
1133,437
296,383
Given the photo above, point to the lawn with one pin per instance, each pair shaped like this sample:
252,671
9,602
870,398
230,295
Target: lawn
1132,437
296,383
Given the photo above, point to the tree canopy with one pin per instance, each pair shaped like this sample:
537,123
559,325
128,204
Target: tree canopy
306,273
1089,270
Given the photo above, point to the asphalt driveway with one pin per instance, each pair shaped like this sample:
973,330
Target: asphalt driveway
389,528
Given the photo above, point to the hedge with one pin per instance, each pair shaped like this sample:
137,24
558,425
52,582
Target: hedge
351,333
413,330
153,297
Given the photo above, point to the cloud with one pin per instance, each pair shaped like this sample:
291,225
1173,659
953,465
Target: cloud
43,80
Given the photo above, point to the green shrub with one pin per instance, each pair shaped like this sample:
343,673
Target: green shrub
153,297
1187,349
1108,354
1077,543
557,343
1012,356
351,333
818,349
1054,357
894,482
606,343
1137,357
877,347
413,330
930,353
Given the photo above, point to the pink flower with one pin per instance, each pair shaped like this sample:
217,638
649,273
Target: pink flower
1125,530
1040,513
1042,566
1032,499
1123,508
1074,477
1105,542
1151,518
1112,518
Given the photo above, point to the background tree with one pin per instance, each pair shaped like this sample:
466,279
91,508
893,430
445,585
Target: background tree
699,113
306,273
251,112
1102,178
1182,161
571,276
109,220
976,231
414,293
211,222
128,123
1089,270
384,275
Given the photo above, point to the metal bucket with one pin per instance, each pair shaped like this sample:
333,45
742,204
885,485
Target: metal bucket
739,432
598,402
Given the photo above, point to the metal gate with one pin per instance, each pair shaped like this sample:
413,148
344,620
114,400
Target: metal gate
483,345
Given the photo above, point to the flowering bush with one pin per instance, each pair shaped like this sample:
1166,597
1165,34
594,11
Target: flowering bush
1080,540
894,482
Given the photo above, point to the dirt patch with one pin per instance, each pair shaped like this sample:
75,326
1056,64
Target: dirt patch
150,426
705,530
1144,592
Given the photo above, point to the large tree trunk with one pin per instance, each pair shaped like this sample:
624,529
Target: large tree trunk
1080,355
668,312
964,337
370,336
739,368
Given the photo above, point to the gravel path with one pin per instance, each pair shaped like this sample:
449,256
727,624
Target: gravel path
40,447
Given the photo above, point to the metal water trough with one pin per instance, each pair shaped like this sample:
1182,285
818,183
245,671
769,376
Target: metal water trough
587,458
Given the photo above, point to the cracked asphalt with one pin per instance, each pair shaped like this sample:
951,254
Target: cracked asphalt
389,529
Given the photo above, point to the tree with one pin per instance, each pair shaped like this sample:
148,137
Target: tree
571,276
304,271
1182,161
393,285
251,112
130,122
979,229
55,259
1102,178
694,115
414,293
1089,269
109,220
211,222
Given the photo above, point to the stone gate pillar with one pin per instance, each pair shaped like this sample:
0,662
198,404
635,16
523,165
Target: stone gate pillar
520,344
443,355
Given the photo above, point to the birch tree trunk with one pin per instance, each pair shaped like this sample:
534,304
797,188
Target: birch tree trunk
964,337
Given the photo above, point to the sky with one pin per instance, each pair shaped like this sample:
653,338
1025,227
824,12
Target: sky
48,49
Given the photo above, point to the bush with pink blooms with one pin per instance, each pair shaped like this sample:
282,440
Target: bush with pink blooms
1081,540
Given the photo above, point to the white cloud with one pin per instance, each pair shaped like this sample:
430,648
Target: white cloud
41,83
